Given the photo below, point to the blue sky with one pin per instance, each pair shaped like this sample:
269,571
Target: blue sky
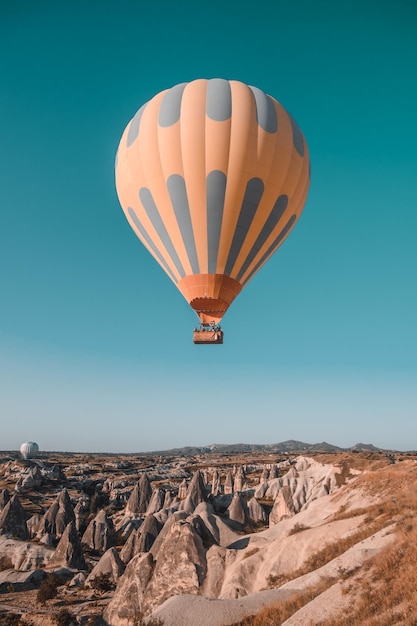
95,340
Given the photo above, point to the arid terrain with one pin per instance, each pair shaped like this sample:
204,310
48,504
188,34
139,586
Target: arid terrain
250,536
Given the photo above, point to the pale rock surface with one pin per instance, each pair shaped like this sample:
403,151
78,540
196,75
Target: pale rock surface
131,547
264,476
256,511
156,502
237,511
147,533
126,605
30,478
219,559
13,519
180,565
57,517
24,556
239,479
68,552
189,610
283,506
221,532
228,483
100,534
33,524
138,502
167,500
20,581
81,515
306,481
110,563
274,472
159,541
215,483
182,489
196,493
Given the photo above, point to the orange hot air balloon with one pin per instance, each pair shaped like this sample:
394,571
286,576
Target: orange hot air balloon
212,176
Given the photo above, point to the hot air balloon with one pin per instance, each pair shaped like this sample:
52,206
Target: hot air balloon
29,449
212,176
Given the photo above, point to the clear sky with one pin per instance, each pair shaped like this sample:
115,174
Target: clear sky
95,341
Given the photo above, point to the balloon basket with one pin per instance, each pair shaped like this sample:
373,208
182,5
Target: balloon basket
208,334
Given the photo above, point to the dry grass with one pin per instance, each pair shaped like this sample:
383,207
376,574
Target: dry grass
387,589
384,590
298,528
250,552
277,614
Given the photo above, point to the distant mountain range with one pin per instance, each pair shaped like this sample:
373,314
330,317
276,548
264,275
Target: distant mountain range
290,446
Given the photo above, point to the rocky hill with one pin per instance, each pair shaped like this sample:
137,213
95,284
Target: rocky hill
216,538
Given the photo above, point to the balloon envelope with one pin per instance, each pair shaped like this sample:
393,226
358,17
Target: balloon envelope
29,449
212,176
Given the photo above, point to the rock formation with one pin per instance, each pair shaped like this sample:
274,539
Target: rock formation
68,552
283,506
4,498
156,502
274,473
238,511
148,532
256,511
239,479
196,493
264,476
180,567
131,547
13,519
23,555
138,502
100,534
81,515
126,606
182,490
215,483
228,483
109,563
57,517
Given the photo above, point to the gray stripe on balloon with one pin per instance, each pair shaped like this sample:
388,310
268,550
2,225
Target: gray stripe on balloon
297,136
152,212
150,243
216,190
273,219
133,131
178,194
266,114
218,100
250,204
272,247
170,110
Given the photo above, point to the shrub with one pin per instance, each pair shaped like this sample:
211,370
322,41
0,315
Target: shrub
48,588
298,528
64,618
102,583
5,563
13,619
